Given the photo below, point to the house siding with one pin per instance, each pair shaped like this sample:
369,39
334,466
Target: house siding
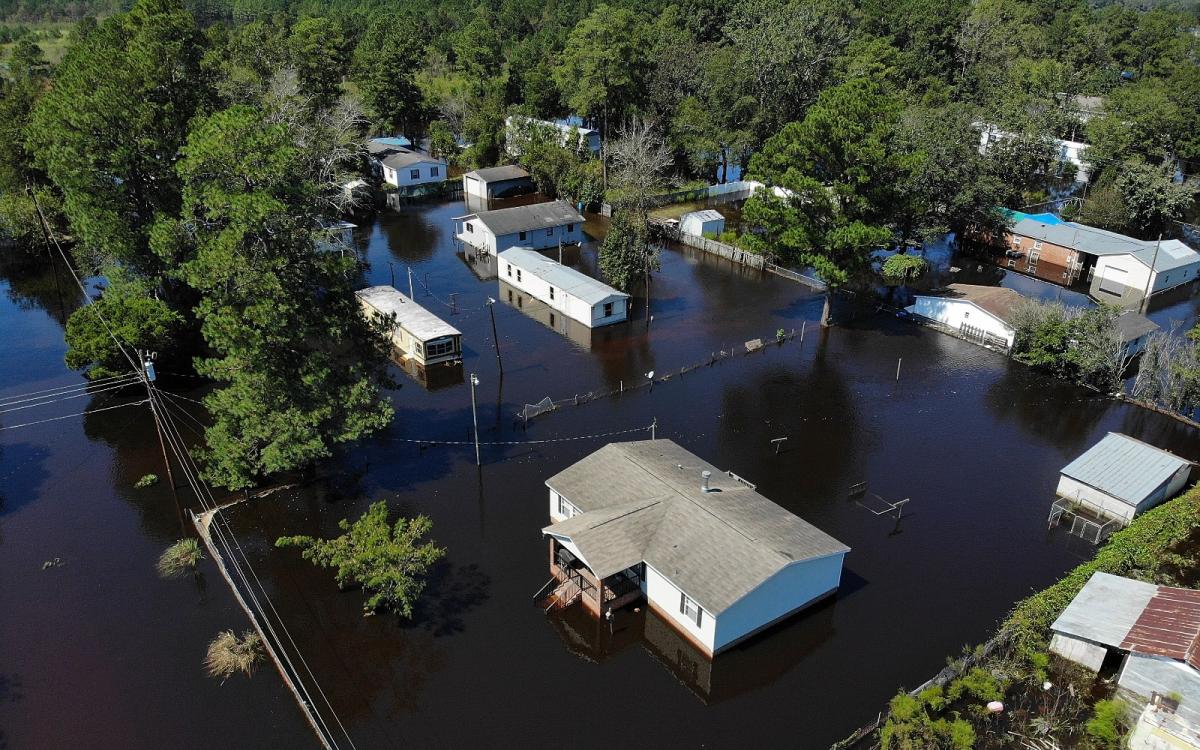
402,177
792,588
1123,279
954,313
665,596
1073,489
569,305
1088,654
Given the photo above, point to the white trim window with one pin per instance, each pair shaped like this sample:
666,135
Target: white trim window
690,609
565,509
1037,244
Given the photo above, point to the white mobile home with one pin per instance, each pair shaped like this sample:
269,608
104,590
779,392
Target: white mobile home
574,294
977,313
538,226
715,559
519,128
706,223
405,168
1120,477
419,335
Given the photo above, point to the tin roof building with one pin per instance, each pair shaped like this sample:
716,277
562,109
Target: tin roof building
1120,477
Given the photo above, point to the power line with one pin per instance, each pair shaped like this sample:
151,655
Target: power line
518,442
77,414
17,398
114,387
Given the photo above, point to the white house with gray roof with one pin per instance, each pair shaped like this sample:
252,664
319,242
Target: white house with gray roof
418,335
576,295
718,561
536,226
1120,477
403,167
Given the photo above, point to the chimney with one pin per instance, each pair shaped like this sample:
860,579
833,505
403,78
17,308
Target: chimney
705,475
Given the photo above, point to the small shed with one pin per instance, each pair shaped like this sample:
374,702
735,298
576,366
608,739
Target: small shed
418,335
537,226
562,288
1135,331
1154,632
706,223
1120,477
497,182
977,313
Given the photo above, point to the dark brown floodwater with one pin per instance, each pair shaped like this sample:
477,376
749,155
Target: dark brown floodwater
99,652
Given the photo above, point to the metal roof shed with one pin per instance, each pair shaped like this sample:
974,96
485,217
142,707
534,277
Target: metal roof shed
1121,476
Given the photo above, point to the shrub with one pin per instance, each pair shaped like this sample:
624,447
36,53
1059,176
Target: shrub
1107,725
228,654
181,557
146,481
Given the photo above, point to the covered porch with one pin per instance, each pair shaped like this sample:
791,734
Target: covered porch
599,595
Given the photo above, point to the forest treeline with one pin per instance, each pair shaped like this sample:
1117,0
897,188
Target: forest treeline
188,153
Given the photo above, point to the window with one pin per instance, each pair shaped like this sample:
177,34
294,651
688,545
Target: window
470,228
509,268
551,292
518,274
420,348
550,232
520,235
414,174
1016,240
570,227
1037,244
520,301
608,309
689,609
551,320
433,171
565,508
438,348
966,313
510,296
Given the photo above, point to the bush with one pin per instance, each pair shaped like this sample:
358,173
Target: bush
1107,725
227,654
181,557
147,480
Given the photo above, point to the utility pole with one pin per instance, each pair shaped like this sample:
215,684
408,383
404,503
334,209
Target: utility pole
410,286
148,378
392,269
560,251
1150,278
474,417
495,336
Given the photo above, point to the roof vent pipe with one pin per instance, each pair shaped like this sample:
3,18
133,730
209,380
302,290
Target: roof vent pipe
705,475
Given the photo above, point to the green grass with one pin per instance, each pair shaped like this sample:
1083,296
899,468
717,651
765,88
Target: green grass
54,36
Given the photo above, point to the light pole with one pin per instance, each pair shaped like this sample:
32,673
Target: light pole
474,418
495,337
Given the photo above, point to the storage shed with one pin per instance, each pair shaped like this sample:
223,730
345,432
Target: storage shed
706,223
497,182
715,559
1153,630
419,335
576,295
1120,477
536,226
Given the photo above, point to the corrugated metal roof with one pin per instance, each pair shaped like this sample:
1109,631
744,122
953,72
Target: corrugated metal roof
1171,253
1168,626
647,502
572,282
1105,609
498,174
415,319
706,215
1124,468
524,218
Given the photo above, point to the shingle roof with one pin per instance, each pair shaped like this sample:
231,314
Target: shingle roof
1124,468
1133,326
498,174
415,319
642,501
997,300
524,218
1135,616
572,282
401,158
1171,253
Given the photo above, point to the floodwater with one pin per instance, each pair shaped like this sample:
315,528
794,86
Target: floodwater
100,652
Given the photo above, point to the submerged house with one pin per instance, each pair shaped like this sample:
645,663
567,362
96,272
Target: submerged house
561,288
536,226
981,314
571,133
1121,477
713,558
1120,270
403,167
419,336
1151,634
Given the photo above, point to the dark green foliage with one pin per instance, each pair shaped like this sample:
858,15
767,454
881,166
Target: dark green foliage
1108,724
135,317
1085,346
383,71
389,561
627,256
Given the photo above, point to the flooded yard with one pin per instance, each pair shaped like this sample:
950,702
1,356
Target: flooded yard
100,652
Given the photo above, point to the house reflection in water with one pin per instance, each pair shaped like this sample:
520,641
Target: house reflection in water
746,667
482,264
431,377
556,321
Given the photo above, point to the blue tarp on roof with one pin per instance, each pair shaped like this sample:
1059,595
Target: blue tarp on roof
1045,218
399,140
